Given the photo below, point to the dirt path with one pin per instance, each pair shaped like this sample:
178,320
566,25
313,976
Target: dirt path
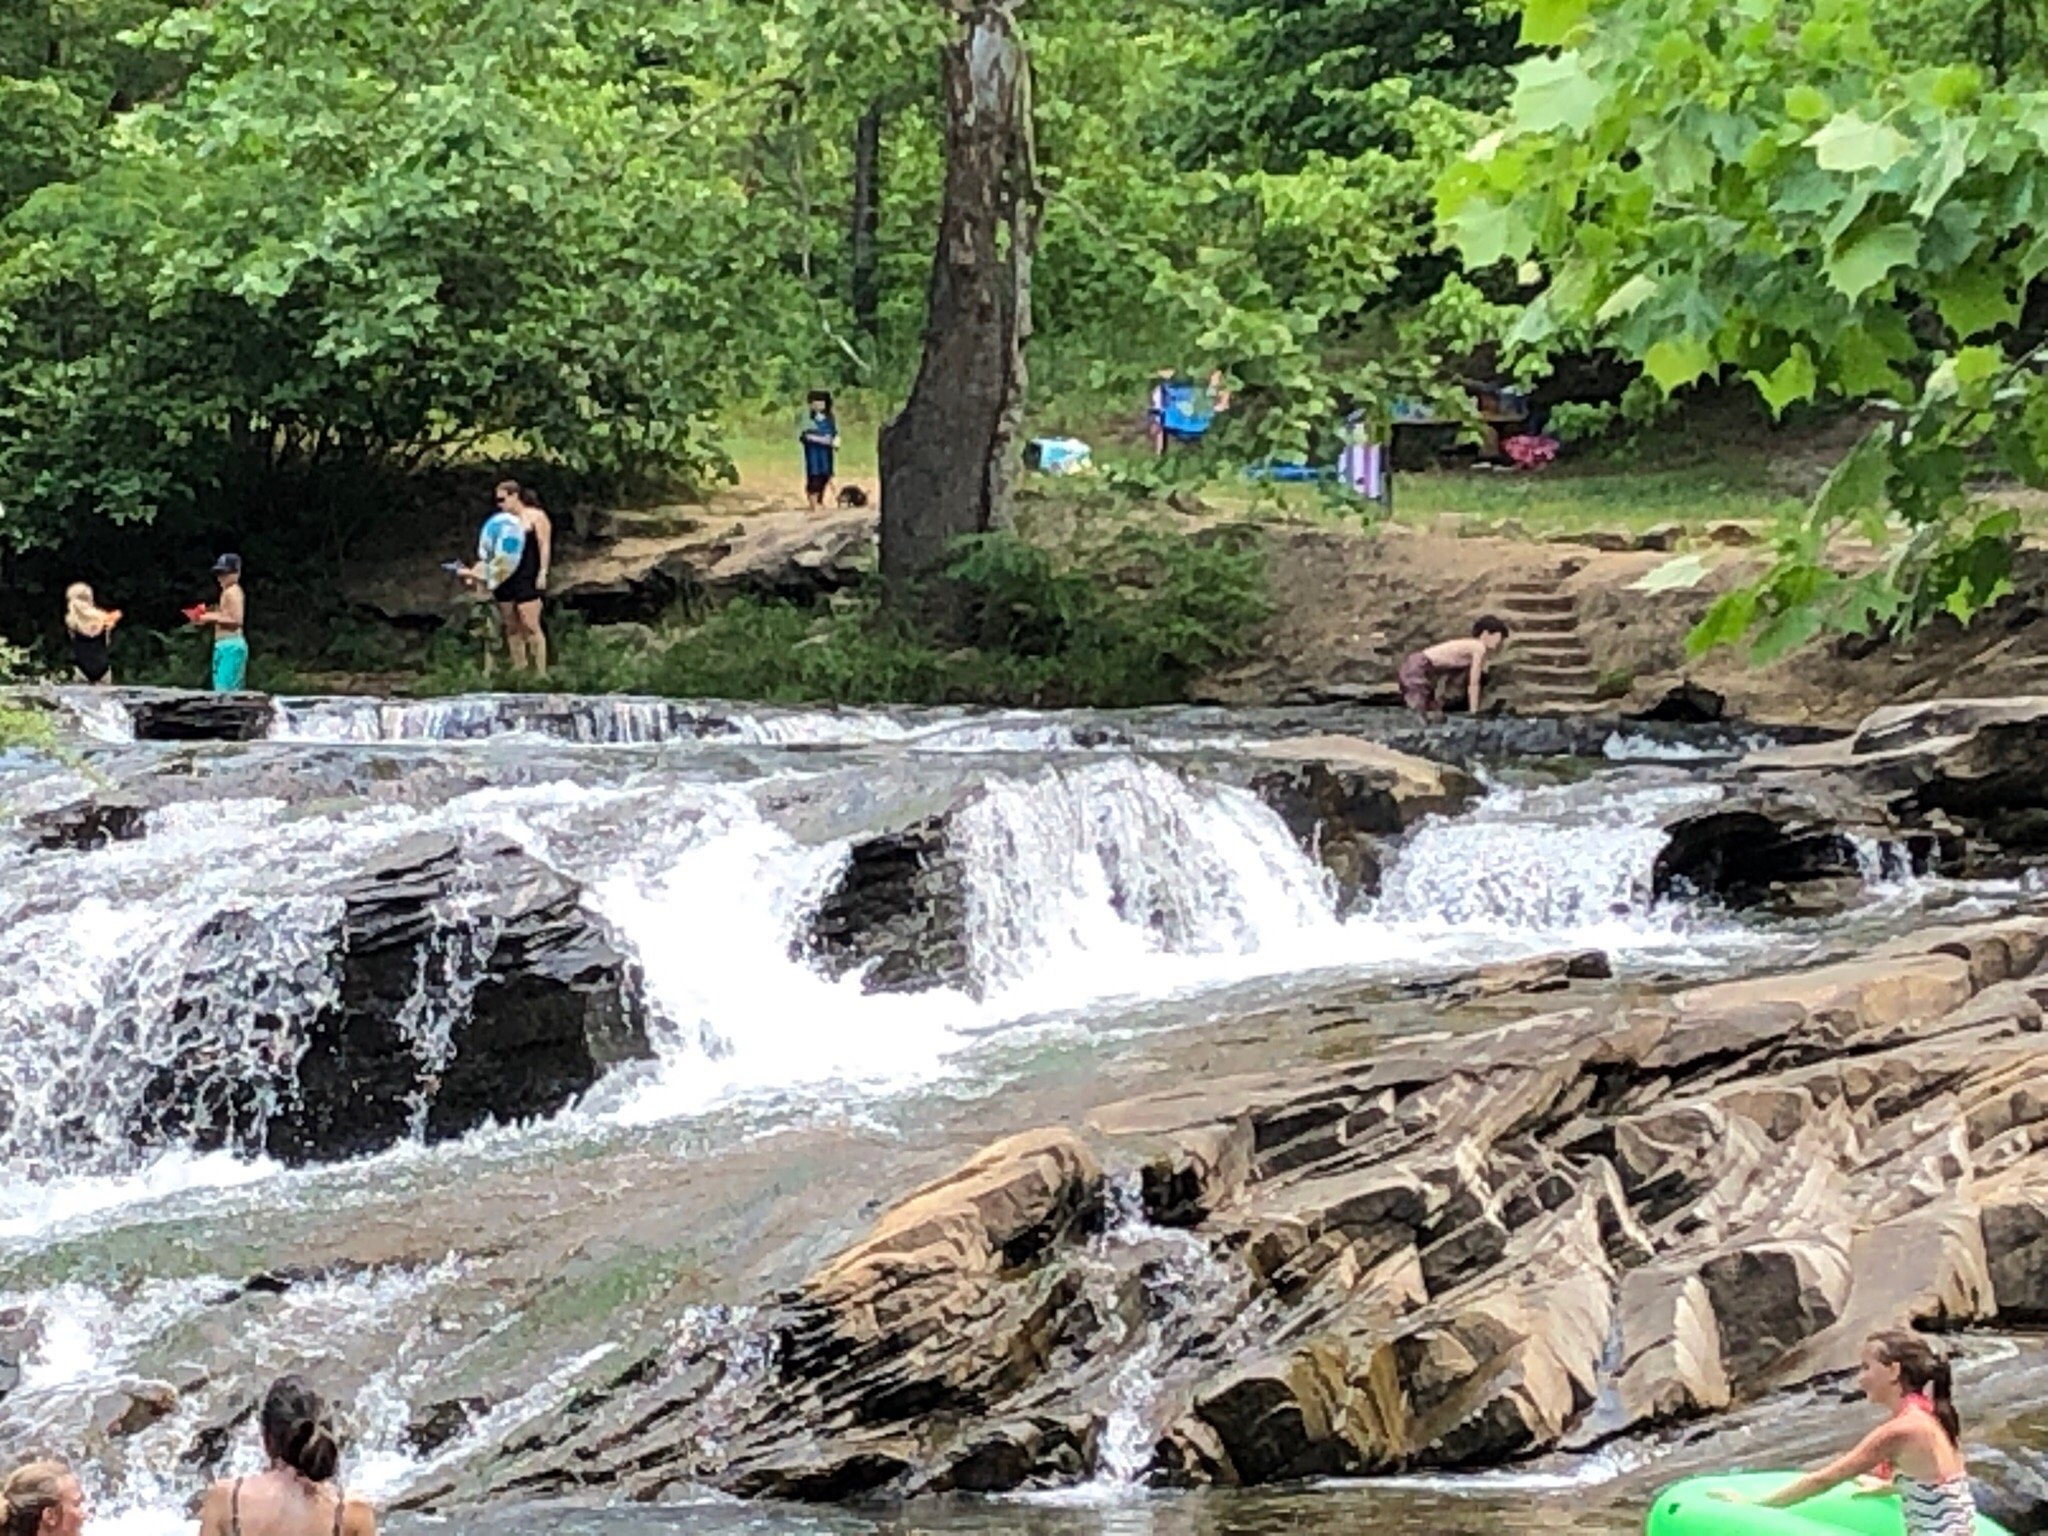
1350,604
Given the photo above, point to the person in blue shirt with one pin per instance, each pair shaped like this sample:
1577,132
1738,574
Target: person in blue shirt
820,437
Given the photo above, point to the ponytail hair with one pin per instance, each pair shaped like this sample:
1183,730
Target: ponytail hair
298,1432
28,1493
1922,1369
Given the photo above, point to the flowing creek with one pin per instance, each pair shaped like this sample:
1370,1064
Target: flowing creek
1125,925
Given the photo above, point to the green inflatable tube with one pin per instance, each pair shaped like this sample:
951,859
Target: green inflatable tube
1691,1508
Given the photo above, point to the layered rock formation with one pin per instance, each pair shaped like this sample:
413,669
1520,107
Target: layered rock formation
470,986
1340,796
1953,785
200,716
1445,1254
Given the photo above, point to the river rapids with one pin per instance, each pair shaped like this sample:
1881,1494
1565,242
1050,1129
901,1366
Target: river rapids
1124,922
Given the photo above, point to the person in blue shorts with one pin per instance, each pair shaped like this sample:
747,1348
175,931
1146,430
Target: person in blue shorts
820,437
226,618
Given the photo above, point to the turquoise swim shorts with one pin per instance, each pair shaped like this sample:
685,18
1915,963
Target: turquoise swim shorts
230,663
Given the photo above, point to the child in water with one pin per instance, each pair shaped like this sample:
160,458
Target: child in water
1917,1449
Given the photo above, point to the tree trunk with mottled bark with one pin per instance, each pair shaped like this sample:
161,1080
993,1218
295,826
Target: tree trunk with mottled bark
946,458
865,289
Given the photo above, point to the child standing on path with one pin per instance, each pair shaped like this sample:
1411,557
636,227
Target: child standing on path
820,437
230,645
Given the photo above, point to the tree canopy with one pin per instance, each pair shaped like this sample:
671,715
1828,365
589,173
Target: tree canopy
254,252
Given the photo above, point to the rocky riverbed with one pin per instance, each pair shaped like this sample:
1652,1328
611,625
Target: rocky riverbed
621,1100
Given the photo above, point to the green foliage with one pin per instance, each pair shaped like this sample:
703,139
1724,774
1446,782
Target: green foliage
359,235
21,726
1128,617
1759,188
1302,78
1616,683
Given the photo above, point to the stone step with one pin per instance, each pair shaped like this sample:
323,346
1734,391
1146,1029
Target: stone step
1553,699
1540,623
1532,602
1559,676
1553,650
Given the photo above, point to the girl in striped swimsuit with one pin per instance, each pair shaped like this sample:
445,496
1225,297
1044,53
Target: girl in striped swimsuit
1917,1449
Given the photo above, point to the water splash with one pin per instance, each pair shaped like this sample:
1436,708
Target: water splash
1076,875
214,1344
1570,864
95,716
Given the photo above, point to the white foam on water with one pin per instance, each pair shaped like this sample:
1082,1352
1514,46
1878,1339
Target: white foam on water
96,716
712,927
1557,867
90,1342
1121,879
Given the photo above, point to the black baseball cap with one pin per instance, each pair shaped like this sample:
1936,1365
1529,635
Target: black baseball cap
227,565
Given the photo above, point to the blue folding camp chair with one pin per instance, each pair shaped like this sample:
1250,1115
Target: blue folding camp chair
1185,410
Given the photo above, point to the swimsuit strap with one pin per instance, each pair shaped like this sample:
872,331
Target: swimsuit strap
340,1507
235,1509
1911,1400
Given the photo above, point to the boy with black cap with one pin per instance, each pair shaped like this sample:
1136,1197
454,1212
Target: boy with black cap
230,646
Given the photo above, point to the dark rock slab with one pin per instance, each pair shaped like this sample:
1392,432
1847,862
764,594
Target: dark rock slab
1746,852
201,717
1685,703
474,987
899,910
114,817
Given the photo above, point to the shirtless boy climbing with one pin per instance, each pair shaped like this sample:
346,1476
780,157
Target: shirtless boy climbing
1423,671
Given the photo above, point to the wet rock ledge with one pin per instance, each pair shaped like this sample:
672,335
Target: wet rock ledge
899,912
1443,1255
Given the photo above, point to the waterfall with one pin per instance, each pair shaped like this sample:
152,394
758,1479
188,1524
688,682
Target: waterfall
1077,875
1565,864
153,994
96,716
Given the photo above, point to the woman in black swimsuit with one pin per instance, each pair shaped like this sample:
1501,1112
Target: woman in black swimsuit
90,627
297,1495
519,595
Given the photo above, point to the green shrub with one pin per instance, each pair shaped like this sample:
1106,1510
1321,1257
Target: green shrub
1121,614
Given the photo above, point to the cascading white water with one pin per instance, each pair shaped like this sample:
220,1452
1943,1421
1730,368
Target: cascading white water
606,721
1567,864
1192,1290
91,1345
173,979
1100,887
1114,877
97,716
1075,876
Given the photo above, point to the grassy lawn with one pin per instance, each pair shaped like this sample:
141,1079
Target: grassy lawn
1568,499
1696,483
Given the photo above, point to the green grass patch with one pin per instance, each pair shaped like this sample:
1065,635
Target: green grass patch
1578,500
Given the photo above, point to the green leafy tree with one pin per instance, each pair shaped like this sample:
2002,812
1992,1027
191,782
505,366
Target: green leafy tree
1758,188
361,235
1302,78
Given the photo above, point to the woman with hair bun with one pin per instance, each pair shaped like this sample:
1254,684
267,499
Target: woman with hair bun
1918,1448
297,1495
41,1498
